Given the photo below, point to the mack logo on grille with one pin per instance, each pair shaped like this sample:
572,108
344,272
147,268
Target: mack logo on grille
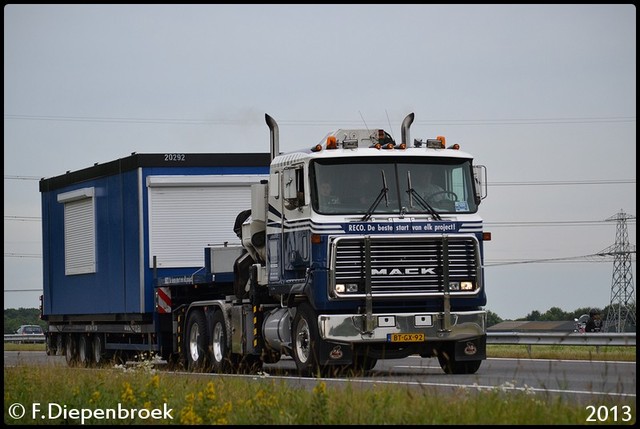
402,271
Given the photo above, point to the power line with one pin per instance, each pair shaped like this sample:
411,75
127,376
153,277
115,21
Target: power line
562,183
596,257
506,224
547,223
23,218
533,183
302,122
7,177
501,262
22,255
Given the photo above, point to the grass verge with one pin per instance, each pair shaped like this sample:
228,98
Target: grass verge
143,396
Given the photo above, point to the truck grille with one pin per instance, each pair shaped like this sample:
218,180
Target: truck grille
406,266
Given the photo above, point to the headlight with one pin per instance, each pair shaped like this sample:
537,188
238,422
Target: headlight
468,286
461,286
346,287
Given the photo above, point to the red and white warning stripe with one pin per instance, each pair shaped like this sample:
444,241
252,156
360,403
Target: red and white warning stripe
163,300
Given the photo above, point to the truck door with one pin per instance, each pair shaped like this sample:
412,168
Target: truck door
289,245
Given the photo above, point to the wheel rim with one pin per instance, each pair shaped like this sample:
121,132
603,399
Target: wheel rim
193,343
82,350
59,345
302,341
69,350
97,350
218,342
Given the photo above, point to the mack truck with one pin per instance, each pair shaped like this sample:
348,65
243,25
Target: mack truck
355,249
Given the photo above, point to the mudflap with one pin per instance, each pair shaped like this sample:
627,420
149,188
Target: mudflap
471,349
333,353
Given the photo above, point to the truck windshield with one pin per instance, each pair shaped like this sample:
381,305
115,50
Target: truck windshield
413,186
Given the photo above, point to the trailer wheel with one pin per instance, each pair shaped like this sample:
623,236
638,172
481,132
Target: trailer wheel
197,341
85,353
60,345
305,337
449,364
71,350
221,358
100,355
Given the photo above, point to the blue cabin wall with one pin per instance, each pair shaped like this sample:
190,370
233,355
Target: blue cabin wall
115,286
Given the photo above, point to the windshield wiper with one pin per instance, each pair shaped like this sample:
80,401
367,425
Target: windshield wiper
382,194
425,205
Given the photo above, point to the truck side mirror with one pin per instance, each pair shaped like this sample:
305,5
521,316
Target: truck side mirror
480,178
290,190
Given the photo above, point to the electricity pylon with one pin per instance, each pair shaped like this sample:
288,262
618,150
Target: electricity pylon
621,316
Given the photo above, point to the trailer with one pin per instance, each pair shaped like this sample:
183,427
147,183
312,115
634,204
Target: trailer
110,229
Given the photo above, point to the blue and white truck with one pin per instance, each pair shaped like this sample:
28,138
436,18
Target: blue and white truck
356,249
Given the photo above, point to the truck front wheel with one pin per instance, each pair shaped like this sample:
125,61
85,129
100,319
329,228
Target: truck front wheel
305,338
450,365
197,341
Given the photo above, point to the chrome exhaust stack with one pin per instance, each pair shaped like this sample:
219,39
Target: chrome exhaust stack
406,124
275,136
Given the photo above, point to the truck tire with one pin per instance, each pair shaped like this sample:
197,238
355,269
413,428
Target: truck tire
71,350
60,345
85,354
449,364
221,359
305,336
197,342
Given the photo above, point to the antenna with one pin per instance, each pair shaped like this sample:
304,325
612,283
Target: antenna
389,122
365,124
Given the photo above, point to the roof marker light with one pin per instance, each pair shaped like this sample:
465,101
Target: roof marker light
435,143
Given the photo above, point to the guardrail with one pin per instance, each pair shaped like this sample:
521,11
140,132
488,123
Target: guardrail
23,339
506,338
563,338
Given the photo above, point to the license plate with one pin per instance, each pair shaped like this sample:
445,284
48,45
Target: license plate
405,338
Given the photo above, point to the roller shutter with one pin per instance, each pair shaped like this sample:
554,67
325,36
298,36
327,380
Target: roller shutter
187,214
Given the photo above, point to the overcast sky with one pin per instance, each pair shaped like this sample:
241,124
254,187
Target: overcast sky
543,95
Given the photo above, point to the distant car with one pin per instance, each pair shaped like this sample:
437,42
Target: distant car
35,333
30,330
581,323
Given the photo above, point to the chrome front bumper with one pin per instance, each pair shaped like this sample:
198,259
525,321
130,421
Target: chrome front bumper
351,328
